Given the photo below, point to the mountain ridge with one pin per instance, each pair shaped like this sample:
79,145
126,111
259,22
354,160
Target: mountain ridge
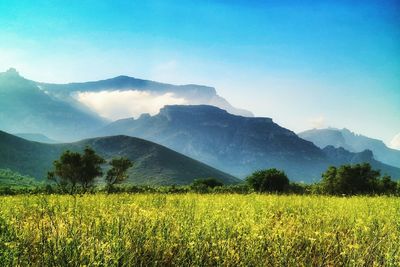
352,142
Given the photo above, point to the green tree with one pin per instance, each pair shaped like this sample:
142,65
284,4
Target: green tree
270,180
350,180
387,185
74,169
118,171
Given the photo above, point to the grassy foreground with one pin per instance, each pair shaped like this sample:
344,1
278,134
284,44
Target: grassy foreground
199,230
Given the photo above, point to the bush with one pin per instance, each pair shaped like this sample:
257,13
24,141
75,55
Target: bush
205,185
270,180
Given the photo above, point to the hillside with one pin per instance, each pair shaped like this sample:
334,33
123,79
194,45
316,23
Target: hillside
27,108
235,144
12,179
352,142
154,164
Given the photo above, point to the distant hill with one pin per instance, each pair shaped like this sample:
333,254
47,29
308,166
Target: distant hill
27,108
352,142
154,164
235,144
192,93
36,138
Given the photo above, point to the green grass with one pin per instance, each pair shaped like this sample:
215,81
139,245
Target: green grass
199,230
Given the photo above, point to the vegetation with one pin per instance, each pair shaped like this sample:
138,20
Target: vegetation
73,168
270,180
118,172
199,230
11,182
355,180
205,185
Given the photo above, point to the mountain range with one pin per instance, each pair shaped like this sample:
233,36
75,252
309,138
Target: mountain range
153,164
28,106
236,144
352,142
232,142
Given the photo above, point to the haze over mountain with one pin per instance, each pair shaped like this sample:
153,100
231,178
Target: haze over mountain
26,108
352,142
149,96
235,144
153,164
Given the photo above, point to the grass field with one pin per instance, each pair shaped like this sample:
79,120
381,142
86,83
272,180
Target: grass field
199,230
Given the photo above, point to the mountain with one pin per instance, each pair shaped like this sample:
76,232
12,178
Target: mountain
340,156
153,164
25,107
36,137
235,144
191,93
352,142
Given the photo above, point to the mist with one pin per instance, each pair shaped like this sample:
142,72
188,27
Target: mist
118,104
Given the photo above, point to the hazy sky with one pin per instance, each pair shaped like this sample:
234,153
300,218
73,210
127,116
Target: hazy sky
335,63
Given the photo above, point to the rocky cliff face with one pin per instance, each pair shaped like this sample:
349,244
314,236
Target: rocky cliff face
235,144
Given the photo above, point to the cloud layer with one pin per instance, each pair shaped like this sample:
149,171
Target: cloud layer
395,143
116,105
318,122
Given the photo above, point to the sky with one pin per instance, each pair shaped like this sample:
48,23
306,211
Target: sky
306,65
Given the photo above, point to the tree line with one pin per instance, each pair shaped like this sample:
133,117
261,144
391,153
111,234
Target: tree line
76,172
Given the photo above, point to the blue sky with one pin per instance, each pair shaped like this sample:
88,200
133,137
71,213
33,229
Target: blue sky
335,63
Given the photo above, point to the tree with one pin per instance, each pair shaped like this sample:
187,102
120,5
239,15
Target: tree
329,183
73,169
118,171
350,180
270,180
91,168
204,185
387,185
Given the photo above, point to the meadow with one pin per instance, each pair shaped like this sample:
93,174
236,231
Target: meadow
199,230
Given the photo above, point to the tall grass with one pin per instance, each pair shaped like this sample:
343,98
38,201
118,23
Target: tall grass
199,230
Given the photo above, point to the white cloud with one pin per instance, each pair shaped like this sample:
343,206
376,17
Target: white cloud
318,122
123,104
395,143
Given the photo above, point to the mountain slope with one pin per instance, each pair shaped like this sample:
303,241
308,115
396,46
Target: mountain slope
193,94
352,142
234,144
10,179
25,107
154,164
41,138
